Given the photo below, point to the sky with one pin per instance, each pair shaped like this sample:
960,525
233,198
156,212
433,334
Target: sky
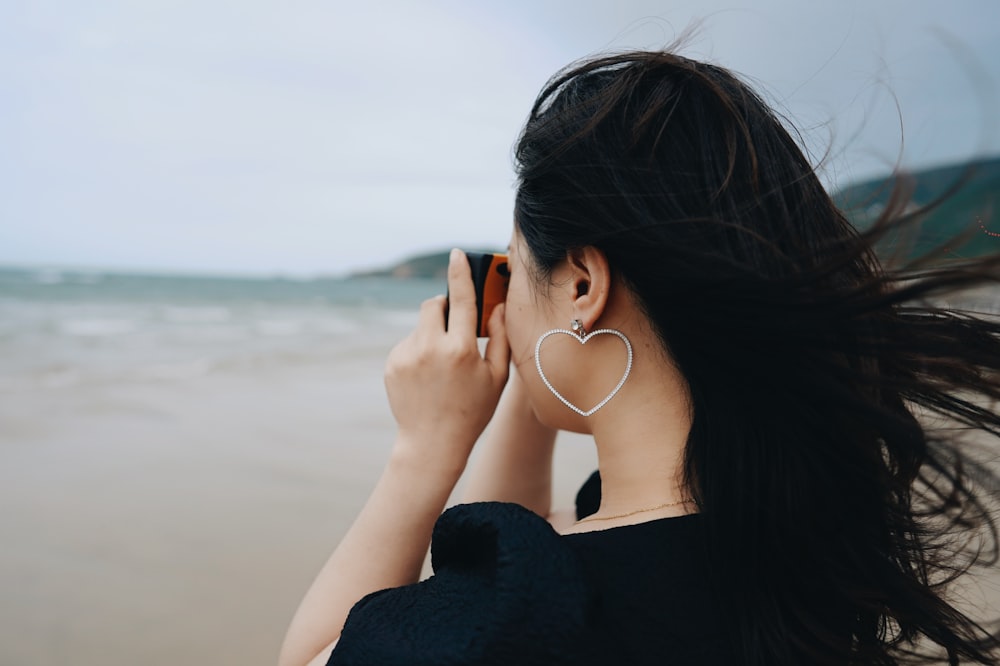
312,137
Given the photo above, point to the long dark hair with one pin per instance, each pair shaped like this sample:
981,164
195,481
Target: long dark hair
830,391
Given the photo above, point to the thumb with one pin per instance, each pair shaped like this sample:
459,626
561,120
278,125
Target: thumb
497,352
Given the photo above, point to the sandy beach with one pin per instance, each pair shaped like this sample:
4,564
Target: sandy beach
179,520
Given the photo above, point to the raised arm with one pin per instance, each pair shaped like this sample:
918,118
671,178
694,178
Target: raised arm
513,463
442,393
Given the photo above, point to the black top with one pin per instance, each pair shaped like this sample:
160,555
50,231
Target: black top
507,589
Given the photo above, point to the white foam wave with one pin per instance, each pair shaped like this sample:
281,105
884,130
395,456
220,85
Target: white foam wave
98,328
398,318
213,333
199,314
338,326
278,327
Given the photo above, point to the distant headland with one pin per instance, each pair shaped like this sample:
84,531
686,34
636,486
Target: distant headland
433,265
963,199
971,207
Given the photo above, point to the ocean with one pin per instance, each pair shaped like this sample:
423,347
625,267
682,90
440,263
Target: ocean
63,328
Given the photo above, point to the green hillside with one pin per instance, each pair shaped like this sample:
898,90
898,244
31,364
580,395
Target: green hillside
431,265
971,208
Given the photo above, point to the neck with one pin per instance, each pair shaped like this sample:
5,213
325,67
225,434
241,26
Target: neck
641,437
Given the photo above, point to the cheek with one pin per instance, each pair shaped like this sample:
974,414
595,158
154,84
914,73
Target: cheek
520,336
522,325
548,410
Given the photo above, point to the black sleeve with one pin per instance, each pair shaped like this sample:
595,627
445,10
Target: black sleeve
505,590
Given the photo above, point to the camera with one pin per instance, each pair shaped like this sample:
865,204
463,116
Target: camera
490,277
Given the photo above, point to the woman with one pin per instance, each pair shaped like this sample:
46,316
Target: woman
776,415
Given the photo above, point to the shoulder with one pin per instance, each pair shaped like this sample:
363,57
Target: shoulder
495,535
506,589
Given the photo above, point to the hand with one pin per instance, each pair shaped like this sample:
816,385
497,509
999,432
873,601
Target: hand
441,390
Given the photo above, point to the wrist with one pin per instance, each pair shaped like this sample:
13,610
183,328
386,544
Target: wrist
425,462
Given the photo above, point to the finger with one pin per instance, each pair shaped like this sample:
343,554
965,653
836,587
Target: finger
497,353
461,296
431,318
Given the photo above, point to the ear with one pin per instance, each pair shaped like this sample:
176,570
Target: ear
589,284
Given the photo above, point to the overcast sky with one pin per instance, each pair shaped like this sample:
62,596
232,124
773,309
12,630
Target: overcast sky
308,136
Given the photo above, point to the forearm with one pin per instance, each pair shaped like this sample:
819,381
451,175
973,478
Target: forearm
513,463
385,547
427,374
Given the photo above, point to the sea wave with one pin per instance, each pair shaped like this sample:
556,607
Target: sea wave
279,327
98,328
195,314
64,330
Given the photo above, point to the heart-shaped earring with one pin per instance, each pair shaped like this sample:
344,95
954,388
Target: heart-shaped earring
580,335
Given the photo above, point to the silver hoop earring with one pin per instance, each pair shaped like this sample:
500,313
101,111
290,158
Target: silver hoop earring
580,335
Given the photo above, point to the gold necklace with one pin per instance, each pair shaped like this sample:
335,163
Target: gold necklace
632,513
